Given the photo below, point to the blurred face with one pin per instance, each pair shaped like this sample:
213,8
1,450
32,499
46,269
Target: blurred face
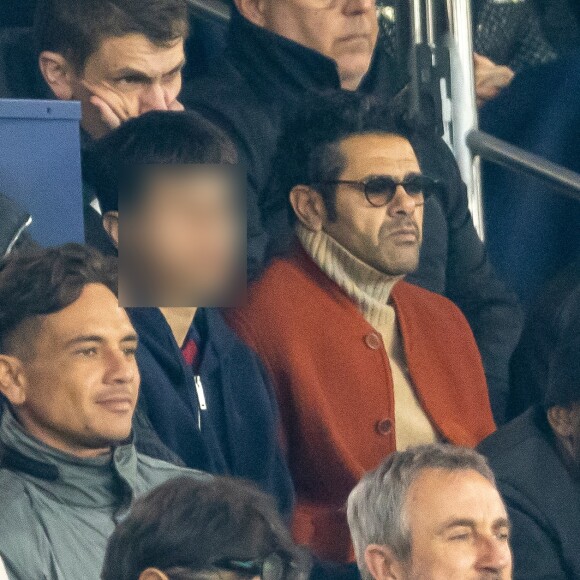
185,240
387,238
79,378
459,528
126,77
343,30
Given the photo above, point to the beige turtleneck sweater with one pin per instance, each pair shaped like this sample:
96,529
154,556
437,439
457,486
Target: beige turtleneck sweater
370,290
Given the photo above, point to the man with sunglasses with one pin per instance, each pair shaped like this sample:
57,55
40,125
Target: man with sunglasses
280,53
363,363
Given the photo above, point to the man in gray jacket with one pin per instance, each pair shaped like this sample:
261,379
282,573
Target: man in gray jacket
69,469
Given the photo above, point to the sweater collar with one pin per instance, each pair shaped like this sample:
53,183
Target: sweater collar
369,288
293,68
105,481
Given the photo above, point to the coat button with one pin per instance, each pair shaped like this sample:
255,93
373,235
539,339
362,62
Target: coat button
373,340
384,426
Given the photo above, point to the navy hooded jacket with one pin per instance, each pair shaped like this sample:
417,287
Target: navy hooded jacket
239,429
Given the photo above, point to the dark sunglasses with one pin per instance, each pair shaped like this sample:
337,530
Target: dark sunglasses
380,190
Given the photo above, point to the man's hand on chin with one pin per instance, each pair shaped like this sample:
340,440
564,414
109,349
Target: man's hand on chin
112,106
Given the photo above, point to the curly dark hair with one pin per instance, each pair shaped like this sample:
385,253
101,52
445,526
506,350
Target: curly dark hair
43,281
308,150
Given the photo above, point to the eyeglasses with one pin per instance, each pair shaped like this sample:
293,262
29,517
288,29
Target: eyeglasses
271,568
380,190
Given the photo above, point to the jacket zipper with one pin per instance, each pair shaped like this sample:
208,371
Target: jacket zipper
201,403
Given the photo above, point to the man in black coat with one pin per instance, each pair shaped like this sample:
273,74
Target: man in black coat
264,77
536,460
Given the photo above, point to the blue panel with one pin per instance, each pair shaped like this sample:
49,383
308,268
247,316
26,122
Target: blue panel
40,166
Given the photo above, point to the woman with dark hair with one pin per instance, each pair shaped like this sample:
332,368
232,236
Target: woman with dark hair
222,529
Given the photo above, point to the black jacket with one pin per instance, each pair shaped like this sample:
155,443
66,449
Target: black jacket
542,497
259,80
530,364
532,231
239,434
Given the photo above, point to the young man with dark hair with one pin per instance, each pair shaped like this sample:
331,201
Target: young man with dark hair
363,362
120,58
69,469
536,459
204,391
187,529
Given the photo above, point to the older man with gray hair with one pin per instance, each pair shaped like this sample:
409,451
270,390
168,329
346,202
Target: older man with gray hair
432,511
3,574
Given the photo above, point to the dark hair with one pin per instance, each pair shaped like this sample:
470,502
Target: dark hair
563,388
191,524
309,149
44,281
530,363
76,28
113,165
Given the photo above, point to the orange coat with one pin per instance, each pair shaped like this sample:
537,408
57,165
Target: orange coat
333,382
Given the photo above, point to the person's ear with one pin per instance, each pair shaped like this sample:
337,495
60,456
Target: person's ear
12,380
111,225
252,10
382,563
58,74
152,574
309,207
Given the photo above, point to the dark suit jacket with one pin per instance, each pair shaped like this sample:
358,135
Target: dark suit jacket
542,497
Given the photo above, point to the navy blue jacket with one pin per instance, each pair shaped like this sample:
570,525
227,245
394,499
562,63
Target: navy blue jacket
239,433
542,497
533,233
